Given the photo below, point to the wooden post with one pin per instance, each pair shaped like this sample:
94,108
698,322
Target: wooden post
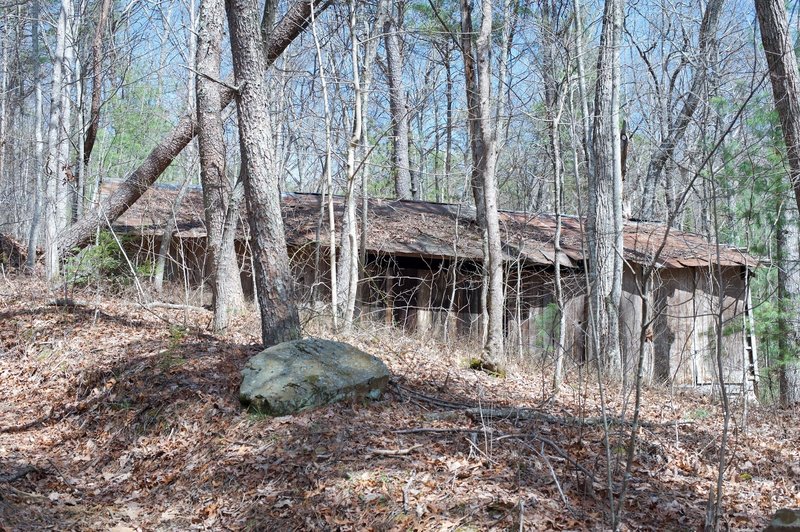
424,303
389,282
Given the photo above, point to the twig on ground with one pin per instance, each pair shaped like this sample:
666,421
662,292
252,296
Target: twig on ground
555,479
174,306
432,400
405,491
60,474
564,455
480,414
25,494
30,424
487,430
394,452
66,302
474,447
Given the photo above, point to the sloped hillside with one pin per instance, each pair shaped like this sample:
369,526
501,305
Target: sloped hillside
118,416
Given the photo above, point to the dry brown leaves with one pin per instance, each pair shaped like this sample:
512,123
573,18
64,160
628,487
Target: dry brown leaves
133,423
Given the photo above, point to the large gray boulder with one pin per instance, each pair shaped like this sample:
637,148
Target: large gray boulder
303,374
785,520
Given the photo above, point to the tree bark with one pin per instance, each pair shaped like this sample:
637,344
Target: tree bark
785,79
328,180
707,45
4,71
279,318
348,266
67,185
788,255
604,220
291,25
226,285
398,109
586,129
554,107
54,172
782,64
448,135
484,180
38,193
97,81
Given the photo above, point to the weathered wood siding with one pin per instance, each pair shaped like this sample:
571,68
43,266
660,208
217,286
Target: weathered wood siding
685,332
442,298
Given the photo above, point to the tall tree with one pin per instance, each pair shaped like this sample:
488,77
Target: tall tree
787,248
139,180
38,192
782,64
348,264
554,96
94,107
707,46
785,79
55,177
604,219
583,93
275,289
226,286
483,147
403,184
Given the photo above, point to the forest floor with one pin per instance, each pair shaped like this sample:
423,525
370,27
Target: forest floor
114,416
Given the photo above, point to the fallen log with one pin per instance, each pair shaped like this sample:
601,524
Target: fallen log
293,24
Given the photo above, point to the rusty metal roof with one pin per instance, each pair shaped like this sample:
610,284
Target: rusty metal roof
438,230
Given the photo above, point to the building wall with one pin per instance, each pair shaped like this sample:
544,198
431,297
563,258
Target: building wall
688,303
442,298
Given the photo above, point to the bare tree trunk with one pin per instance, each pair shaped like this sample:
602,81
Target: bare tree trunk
80,167
785,79
279,317
4,71
348,256
71,79
707,42
54,171
94,106
510,13
226,285
348,259
38,193
604,220
554,107
484,180
788,255
583,94
397,105
371,51
291,25
328,180
166,237
448,138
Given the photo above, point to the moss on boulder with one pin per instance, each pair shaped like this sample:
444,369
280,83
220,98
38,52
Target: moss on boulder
302,374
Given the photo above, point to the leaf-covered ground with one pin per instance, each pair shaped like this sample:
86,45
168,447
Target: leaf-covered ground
116,416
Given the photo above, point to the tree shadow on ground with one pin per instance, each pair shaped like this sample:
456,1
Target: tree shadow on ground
162,442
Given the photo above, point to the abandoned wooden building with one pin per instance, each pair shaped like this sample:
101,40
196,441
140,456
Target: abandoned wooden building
421,272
